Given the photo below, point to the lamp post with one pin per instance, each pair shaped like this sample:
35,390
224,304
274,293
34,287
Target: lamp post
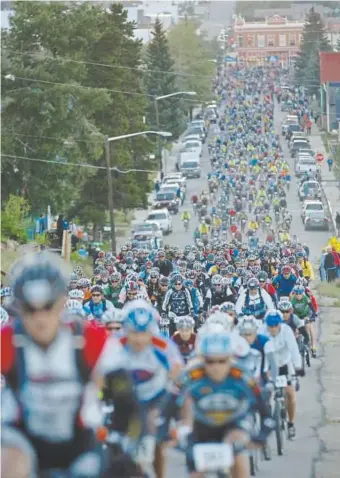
109,140
156,98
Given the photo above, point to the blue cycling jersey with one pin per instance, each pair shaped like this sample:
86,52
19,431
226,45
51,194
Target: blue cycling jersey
284,286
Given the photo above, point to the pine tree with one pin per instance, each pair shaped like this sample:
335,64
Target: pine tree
314,40
160,80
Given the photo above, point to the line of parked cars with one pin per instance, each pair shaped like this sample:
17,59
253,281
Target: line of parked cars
313,214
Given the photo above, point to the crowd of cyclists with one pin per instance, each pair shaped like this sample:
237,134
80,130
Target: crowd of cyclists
176,347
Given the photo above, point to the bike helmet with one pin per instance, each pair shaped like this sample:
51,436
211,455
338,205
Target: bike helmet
221,318
216,344
164,280
247,325
284,305
139,316
76,294
253,283
217,280
185,322
298,289
112,315
262,276
74,306
97,288
39,280
176,278
188,283
84,283
6,292
286,269
227,307
131,287
4,317
154,274
115,276
273,318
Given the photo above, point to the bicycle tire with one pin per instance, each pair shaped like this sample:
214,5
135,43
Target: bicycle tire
307,358
278,429
253,465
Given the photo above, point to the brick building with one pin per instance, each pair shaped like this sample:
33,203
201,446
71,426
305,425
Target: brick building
274,39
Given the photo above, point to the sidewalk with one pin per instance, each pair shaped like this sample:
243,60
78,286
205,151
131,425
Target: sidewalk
329,182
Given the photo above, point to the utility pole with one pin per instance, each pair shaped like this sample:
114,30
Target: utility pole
159,146
110,194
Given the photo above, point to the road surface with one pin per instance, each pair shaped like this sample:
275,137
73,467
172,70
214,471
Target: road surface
299,456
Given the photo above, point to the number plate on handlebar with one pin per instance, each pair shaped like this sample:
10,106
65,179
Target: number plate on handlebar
164,322
281,381
213,457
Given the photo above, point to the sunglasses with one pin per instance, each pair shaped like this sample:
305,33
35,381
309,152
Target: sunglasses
113,327
178,283
219,361
96,295
115,280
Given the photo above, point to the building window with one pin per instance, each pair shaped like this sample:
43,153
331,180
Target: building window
292,39
250,40
271,40
240,41
282,39
260,41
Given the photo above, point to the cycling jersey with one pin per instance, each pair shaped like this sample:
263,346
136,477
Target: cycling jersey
301,307
186,347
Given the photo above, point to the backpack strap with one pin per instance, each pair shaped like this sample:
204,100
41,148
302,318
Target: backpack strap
84,370
17,374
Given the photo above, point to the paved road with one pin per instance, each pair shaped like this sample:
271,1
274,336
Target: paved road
298,460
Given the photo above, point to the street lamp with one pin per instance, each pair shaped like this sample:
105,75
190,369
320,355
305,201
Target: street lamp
108,140
155,99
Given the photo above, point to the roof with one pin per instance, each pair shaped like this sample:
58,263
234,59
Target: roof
329,67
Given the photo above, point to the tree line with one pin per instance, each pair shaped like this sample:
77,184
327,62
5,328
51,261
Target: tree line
73,73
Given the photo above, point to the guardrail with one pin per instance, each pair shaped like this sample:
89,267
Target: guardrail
330,211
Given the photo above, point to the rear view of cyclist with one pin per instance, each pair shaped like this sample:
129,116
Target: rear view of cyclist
185,336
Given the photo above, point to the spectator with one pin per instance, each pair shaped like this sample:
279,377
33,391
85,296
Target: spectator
157,186
60,229
329,264
322,270
330,164
337,222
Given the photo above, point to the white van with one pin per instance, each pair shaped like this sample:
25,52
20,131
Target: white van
163,217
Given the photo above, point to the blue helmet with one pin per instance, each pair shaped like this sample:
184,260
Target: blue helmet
273,318
298,289
139,316
216,343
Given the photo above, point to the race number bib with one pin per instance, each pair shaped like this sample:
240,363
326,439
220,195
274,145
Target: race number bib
281,381
213,457
164,322
50,409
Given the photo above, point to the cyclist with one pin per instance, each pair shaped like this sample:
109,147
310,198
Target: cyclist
153,361
254,300
185,336
210,377
303,308
71,360
97,305
185,216
283,345
253,225
294,322
285,281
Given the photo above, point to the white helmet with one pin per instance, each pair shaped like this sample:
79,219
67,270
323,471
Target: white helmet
221,318
76,294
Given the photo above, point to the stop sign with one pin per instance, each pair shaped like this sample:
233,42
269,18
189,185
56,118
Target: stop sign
319,157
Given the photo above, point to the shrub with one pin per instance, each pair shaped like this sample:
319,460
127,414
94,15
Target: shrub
13,219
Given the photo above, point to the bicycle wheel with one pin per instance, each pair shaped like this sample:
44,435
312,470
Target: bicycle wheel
253,461
278,428
307,356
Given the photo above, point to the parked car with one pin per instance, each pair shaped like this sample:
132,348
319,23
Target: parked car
317,220
310,206
163,218
305,165
167,200
297,145
309,190
150,227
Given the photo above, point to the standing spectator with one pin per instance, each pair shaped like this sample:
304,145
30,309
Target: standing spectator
330,164
329,264
157,186
60,228
337,222
322,270
309,127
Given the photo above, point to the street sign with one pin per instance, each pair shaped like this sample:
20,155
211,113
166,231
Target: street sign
319,157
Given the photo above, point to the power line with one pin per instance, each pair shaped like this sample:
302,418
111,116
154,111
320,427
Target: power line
77,86
50,137
82,62
183,98
83,165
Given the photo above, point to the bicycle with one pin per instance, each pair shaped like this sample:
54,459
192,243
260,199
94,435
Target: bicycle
280,412
304,351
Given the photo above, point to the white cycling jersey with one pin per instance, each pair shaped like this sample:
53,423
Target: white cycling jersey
284,348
